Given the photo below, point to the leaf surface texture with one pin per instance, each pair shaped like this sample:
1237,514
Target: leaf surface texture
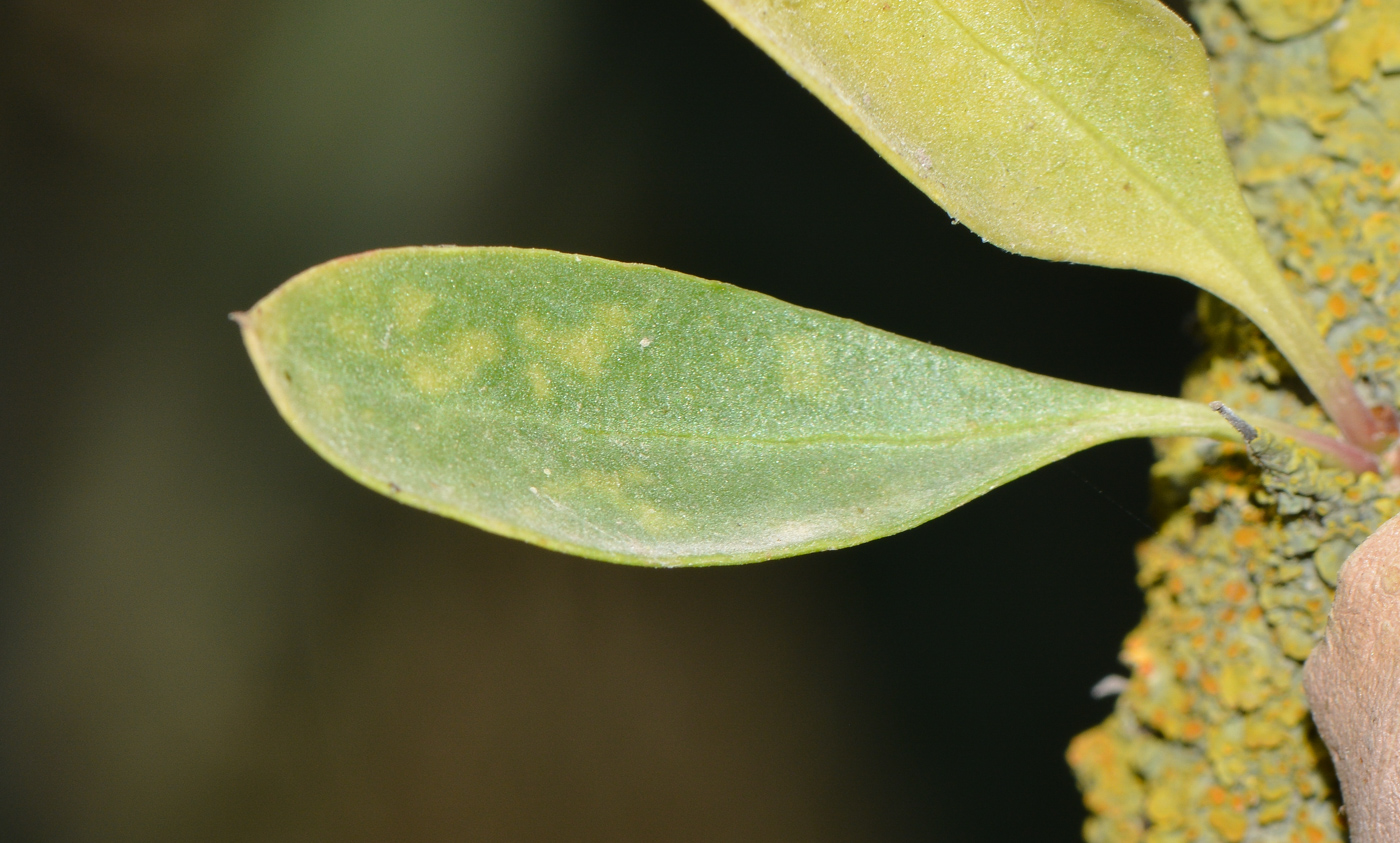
1076,130
635,414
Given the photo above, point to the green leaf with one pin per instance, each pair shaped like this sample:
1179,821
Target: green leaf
634,414
1078,130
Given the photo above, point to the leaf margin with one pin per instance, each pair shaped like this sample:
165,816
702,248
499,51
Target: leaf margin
1173,417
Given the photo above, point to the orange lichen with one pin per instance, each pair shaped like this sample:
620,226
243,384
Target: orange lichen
1229,825
1245,537
1337,306
1211,739
1361,273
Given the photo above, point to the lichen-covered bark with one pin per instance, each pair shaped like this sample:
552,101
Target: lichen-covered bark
1212,740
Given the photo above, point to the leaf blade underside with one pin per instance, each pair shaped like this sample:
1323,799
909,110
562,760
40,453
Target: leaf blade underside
633,414
1072,130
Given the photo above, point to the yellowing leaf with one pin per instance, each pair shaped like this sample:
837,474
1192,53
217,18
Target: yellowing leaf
638,415
1079,130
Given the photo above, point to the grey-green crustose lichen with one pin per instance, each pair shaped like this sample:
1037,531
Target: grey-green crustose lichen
1211,741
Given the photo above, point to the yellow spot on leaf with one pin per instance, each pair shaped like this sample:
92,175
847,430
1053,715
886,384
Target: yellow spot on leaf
625,491
457,363
539,381
411,304
804,365
351,330
583,348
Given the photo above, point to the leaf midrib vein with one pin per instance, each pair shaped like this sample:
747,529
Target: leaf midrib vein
1089,129
985,432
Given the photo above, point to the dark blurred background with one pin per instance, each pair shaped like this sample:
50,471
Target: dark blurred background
206,633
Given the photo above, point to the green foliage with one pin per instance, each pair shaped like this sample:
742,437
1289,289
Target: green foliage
1080,130
638,415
